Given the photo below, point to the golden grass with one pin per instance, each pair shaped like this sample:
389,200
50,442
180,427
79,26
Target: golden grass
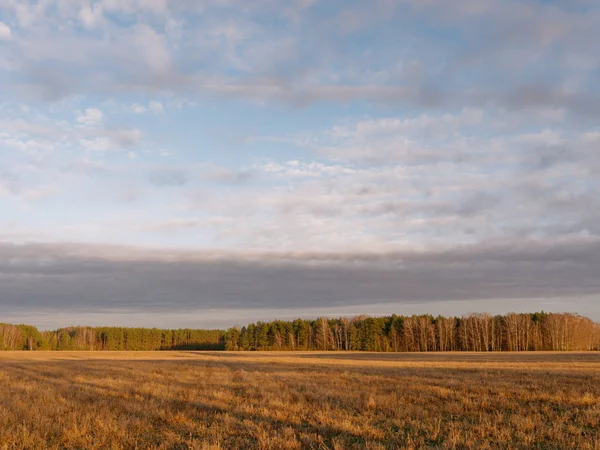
212,400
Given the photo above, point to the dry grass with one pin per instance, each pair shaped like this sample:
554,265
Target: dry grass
204,400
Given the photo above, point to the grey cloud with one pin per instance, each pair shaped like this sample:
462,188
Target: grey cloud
469,206
55,278
123,137
47,82
428,96
168,177
545,157
229,176
540,95
108,139
10,182
177,176
86,167
239,177
477,202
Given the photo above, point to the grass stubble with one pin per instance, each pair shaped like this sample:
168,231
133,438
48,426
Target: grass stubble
222,400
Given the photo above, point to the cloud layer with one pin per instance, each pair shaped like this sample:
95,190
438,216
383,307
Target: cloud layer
425,54
320,153
108,279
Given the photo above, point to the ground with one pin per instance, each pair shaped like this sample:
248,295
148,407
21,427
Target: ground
215,400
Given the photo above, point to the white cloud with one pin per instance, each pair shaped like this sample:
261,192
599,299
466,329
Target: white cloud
137,108
152,48
103,140
9,183
133,6
91,15
303,169
5,32
91,117
156,107
431,178
99,144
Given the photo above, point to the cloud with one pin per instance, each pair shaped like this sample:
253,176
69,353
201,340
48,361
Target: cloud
137,108
106,140
303,55
9,183
459,161
156,107
12,185
168,177
5,33
373,183
86,167
91,15
61,277
91,117
152,48
224,175
124,137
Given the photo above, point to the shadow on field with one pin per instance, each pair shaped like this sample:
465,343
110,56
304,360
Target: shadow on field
251,400
132,401
516,357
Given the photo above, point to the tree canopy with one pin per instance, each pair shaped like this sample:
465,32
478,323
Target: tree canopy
417,333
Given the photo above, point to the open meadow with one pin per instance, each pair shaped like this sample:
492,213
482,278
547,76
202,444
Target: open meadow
280,400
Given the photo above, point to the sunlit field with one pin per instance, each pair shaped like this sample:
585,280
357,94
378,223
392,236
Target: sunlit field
217,400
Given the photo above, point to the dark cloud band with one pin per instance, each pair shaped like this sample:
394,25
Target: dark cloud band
93,278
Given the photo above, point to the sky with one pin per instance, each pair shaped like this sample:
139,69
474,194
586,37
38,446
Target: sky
208,163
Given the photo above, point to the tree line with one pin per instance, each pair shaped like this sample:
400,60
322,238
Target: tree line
25,337
422,333
417,333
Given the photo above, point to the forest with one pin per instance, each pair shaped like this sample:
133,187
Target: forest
25,337
417,333
424,333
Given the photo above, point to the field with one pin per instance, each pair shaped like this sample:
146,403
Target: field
215,400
